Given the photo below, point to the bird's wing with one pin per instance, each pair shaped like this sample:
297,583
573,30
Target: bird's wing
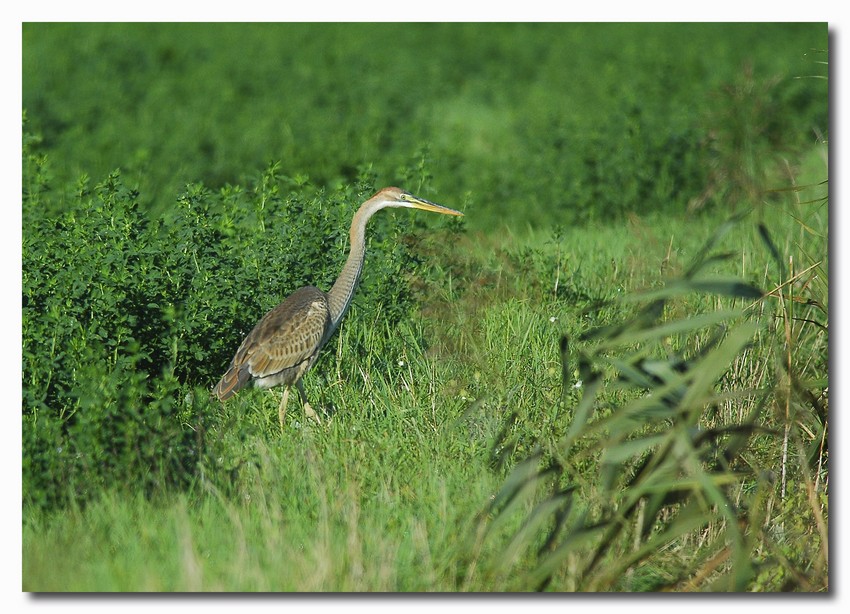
284,338
289,334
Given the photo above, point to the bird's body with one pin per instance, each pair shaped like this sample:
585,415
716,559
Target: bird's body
286,342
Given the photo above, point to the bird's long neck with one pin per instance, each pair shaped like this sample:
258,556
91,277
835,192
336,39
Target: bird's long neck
340,295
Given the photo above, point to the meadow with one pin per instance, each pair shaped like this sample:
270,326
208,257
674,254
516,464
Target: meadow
610,375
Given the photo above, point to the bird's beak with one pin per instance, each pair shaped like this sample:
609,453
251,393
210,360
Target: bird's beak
420,203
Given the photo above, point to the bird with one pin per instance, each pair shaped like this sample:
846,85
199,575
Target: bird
286,342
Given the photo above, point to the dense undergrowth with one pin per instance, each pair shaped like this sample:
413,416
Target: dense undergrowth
610,375
123,316
540,124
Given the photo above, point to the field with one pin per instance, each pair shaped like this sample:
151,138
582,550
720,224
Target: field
610,375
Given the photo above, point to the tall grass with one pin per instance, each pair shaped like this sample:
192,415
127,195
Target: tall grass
680,447
641,457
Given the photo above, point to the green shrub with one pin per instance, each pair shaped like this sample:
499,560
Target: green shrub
128,322
543,123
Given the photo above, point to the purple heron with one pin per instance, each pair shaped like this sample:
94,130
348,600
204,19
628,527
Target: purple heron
286,342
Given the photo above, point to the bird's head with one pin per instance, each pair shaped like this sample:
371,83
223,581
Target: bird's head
396,197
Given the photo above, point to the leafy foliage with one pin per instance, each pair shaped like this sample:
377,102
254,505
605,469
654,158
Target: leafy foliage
123,317
647,467
544,123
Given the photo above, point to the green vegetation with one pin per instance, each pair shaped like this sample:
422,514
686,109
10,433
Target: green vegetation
611,375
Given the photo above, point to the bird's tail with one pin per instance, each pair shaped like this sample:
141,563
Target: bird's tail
235,378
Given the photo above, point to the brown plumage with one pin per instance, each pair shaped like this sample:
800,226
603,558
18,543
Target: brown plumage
282,345
286,342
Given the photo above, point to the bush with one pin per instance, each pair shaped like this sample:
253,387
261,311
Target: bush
544,123
128,322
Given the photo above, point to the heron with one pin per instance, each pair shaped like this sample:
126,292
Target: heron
286,342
